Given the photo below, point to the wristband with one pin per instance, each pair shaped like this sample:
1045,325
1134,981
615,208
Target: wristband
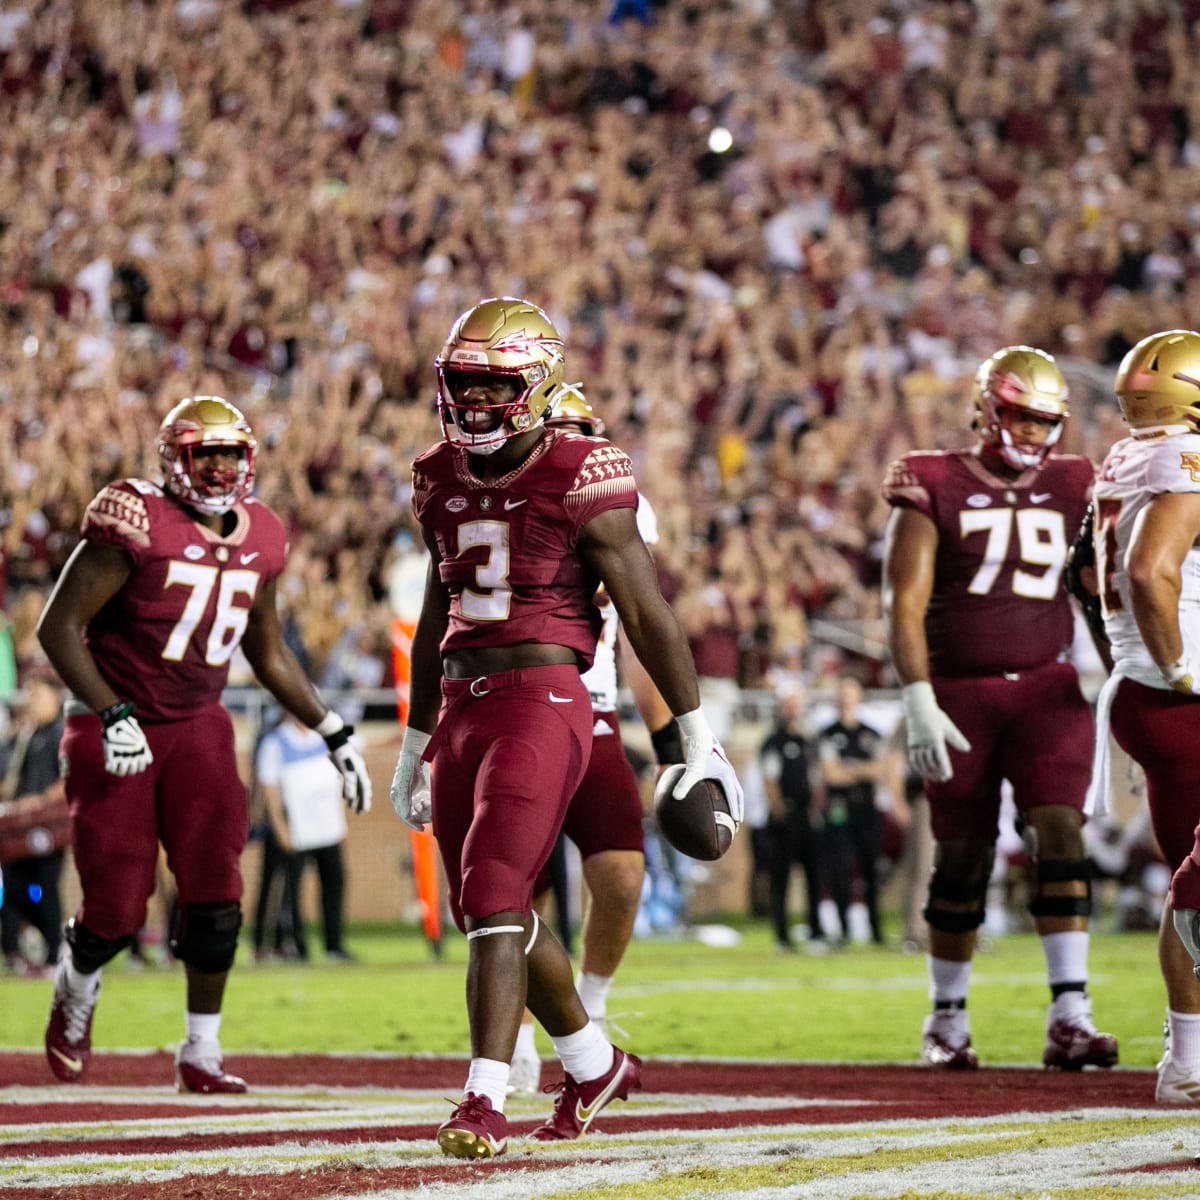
329,724
415,741
115,712
668,744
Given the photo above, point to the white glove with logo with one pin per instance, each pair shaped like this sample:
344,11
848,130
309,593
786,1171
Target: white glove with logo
356,783
411,797
126,751
929,729
1183,676
706,759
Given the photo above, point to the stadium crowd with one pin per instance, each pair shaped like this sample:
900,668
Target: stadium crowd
776,257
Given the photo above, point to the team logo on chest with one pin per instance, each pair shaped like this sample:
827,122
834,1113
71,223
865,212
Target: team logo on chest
485,503
222,554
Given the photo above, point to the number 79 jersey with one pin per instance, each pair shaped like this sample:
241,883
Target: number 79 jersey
1134,472
165,640
509,546
998,603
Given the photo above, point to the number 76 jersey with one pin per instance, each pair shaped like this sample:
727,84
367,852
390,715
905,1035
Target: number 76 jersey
1136,470
165,640
998,603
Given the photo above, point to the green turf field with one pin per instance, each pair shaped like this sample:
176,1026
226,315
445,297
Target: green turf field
862,1004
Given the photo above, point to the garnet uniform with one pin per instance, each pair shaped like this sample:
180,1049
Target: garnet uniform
165,642
501,781
998,626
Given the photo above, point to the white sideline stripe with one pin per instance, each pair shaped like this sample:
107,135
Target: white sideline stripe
1153,1137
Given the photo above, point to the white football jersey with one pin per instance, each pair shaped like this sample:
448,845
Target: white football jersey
601,678
1134,472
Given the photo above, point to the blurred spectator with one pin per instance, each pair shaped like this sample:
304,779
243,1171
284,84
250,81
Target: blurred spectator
852,763
32,795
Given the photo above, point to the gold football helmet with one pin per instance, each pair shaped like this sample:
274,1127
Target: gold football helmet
211,423
570,407
1158,381
1026,380
497,373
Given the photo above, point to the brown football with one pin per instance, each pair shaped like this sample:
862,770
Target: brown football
692,823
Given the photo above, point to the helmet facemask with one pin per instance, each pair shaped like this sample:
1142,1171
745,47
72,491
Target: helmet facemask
478,423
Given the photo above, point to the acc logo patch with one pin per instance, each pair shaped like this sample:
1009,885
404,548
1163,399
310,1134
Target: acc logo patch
1189,461
979,500
193,552
456,503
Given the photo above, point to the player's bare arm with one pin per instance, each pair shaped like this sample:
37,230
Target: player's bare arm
94,574
910,554
612,547
273,662
1164,532
426,669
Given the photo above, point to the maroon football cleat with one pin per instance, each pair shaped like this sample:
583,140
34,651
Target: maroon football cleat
198,1069
946,1042
579,1104
69,1030
1073,1042
475,1130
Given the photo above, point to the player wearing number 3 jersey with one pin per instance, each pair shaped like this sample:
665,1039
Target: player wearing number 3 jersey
523,523
167,581
978,627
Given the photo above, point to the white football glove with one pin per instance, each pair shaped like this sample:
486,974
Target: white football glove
1183,676
707,760
356,783
126,751
411,796
929,729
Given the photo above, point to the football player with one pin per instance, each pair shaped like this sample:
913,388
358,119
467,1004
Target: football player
604,818
168,580
522,523
1145,533
978,626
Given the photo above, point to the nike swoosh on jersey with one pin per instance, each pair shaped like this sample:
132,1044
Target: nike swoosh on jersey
248,558
511,504
1040,497
72,1064
561,699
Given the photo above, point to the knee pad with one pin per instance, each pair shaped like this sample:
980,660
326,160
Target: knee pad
89,951
1062,870
956,920
206,935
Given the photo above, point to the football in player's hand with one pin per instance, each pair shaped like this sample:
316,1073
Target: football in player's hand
698,823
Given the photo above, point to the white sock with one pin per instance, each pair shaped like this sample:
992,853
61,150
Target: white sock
525,1047
487,1077
948,981
1184,1031
585,1055
1066,956
77,982
203,1027
593,991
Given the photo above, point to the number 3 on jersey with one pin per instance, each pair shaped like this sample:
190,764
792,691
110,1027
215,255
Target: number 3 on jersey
494,598
1041,542
230,619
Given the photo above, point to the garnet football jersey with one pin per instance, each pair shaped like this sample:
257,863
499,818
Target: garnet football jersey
1136,470
165,640
998,602
509,546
